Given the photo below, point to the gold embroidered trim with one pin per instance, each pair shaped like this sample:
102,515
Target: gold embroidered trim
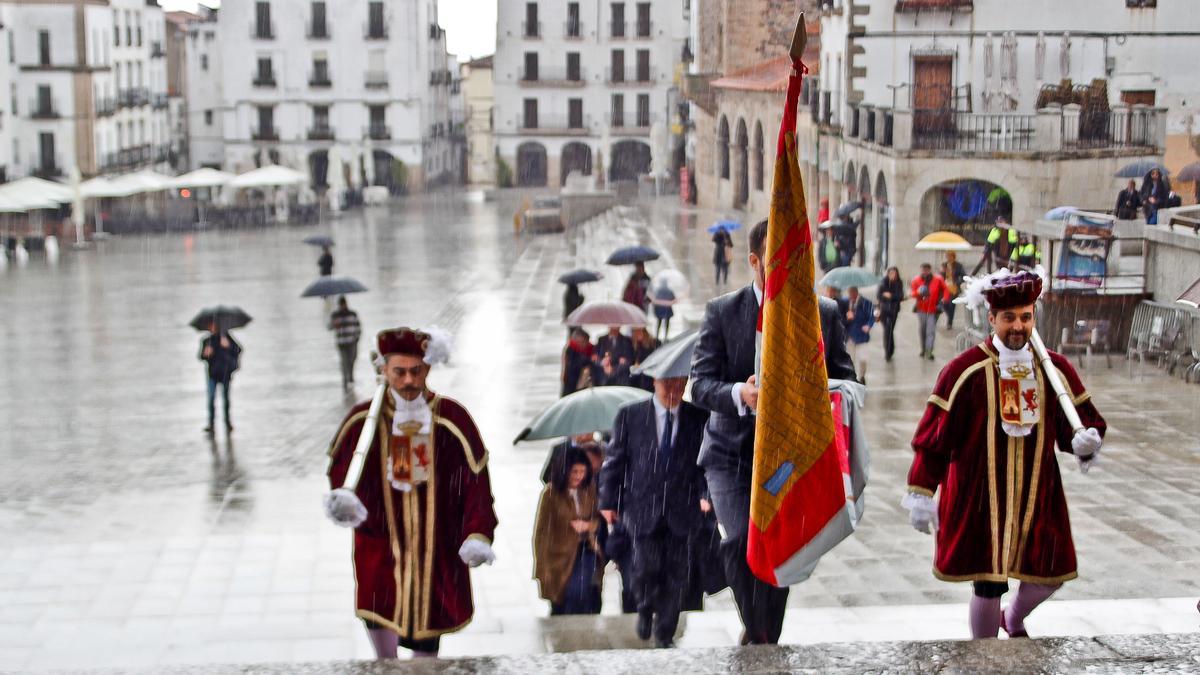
945,404
476,467
993,489
337,442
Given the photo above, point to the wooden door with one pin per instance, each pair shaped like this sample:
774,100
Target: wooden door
933,95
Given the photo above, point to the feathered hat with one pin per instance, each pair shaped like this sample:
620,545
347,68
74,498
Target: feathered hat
432,345
1003,289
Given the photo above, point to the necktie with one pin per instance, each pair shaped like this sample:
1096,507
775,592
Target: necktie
665,446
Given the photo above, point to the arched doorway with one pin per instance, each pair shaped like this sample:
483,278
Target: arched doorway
723,148
850,181
531,165
576,157
383,171
741,193
318,169
883,223
966,206
759,150
630,159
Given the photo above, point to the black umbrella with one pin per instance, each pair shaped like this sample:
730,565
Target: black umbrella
1140,168
319,240
227,317
847,208
632,254
580,277
327,286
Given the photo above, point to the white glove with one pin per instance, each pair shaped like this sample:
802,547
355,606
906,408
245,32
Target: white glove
475,552
922,512
1086,447
344,508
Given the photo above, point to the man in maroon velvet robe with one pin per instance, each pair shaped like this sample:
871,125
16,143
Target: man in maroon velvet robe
422,510
987,442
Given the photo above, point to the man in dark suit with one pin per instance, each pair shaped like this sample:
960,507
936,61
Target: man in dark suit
724,383
652,484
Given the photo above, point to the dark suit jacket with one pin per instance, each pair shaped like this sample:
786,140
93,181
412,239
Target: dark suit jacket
637,483
725,356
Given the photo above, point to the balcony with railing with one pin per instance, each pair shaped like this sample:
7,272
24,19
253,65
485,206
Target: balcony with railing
105,106
264,133
159,101
573,30
46,167
558,77
320,80
264,80
617,29
935,5
1061,132
375,30
553,125
378,131
531,29
262,30
643,29
320,132
631,76
630,124
156,50
375,79
43,109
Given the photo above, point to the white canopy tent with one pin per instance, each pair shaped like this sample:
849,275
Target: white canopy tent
37,191
203,178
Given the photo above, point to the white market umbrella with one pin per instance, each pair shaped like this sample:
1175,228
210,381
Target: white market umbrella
37,190
101,187
271,175
203,178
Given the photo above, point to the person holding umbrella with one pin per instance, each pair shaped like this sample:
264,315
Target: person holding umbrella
572,298
222,357
722,253
325,262
635,292
1155,190
347,330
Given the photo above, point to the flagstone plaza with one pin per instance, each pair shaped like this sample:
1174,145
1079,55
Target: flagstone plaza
134,540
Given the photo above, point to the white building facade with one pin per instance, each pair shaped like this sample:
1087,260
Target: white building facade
933,112
88,81
296,82
479,99
585,83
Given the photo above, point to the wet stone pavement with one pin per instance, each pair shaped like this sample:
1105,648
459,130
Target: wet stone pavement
133,540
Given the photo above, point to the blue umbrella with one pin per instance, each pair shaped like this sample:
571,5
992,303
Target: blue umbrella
1140,168
632,254
727,225
845,277
1060,212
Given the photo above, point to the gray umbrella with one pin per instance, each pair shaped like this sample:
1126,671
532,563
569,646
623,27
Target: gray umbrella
329,286
847,208
1189,173
1140,168
673,359
587,410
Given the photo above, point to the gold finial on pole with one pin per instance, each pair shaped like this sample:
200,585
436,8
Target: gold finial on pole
799,39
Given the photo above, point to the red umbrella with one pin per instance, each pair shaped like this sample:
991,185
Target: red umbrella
607,314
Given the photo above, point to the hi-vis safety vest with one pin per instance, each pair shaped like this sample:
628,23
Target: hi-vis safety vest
1025,254
994,236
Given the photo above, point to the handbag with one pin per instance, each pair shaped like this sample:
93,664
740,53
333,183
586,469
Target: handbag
728,253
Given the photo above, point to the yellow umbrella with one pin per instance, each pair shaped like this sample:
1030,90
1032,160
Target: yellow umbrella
943,241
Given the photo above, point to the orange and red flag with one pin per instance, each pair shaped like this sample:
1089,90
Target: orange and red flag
800,481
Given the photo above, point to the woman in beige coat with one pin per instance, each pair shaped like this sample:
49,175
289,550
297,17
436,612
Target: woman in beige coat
567,561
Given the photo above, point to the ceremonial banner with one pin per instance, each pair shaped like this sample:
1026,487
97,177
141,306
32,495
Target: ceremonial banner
802,499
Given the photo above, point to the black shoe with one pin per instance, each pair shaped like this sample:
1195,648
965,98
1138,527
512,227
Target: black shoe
645,622
862,381
930,356
228,427
208,430
664,644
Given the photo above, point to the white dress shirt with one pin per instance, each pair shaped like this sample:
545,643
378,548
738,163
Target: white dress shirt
660,420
